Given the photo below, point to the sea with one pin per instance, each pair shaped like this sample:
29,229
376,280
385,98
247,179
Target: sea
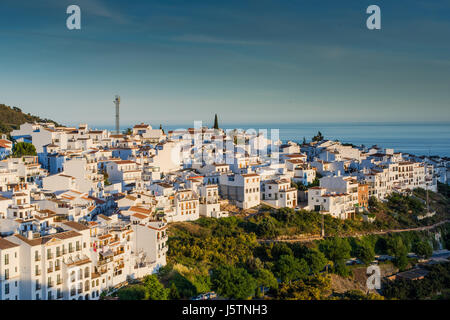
431,138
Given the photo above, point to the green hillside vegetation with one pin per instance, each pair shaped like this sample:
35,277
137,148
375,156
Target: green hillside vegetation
12,117
224,256
401,211
435,285
235,257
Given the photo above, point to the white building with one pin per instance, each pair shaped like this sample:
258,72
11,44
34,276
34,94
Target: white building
279,193
241,189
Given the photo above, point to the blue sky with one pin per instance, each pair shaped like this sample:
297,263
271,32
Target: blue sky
173,62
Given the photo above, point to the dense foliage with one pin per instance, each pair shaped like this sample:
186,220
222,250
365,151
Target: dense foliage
436,282
21,149
224,255
150,289
237,258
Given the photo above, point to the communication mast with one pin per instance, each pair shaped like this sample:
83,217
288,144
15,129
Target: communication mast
117,103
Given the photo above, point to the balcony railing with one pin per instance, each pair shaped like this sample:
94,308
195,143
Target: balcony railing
57,268
49,270
38,272
58,282
37,258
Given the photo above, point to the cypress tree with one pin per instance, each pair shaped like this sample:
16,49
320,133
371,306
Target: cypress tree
216,122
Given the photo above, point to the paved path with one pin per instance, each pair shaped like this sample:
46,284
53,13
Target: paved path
318,237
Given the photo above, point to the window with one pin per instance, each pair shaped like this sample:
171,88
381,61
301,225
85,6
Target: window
6,274
7,288
6,259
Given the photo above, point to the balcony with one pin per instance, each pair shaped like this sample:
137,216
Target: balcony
58,282
37,258
49,270
58,267
38,272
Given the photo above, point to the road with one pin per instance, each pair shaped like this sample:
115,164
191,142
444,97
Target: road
318,237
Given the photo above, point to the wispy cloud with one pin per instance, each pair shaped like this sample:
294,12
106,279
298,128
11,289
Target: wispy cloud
192,38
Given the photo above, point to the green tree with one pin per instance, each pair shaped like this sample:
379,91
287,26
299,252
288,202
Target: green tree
316,260
280,249
185,288
365,252
423,249
288,268
233,282
106,178
133,292
318,137
267,229
21,149
216,122
173,293
336,249
265,279
154,289
397,248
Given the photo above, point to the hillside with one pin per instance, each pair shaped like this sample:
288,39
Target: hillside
12,117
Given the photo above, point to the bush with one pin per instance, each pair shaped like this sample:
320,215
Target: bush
133,292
